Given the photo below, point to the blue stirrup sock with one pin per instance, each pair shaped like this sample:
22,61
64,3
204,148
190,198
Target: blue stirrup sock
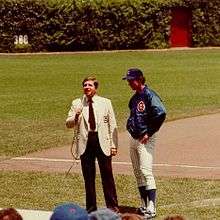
151,194
147,195
143,194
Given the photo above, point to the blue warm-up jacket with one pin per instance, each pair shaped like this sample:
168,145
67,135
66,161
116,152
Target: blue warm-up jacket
147,113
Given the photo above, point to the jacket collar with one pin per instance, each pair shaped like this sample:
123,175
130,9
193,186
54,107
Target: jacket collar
85,99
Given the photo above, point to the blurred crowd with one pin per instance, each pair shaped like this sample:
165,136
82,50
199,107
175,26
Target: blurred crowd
72,211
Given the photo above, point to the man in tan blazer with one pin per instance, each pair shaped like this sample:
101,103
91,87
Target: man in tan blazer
94,122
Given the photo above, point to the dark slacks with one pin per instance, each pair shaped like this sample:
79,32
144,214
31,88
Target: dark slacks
93,151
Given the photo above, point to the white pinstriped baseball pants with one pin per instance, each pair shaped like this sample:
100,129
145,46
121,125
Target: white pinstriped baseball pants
142,162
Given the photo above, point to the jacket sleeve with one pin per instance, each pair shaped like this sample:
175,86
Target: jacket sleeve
157,114
70,121
113,125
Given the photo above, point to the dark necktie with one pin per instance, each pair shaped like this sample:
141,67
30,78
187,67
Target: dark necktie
91,115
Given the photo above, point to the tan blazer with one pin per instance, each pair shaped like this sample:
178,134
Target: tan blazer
105,124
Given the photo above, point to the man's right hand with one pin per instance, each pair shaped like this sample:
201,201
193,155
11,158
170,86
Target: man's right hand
78,112
114,151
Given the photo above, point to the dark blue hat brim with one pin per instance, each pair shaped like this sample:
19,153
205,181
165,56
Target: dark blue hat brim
129,78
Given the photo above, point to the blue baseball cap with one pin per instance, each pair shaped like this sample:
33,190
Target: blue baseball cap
133,74
69,211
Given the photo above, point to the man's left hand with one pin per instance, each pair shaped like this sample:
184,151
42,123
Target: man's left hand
144,139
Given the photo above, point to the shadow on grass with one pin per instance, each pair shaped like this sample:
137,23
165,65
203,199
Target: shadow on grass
127,209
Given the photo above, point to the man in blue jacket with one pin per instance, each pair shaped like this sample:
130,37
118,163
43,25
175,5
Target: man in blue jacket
147,113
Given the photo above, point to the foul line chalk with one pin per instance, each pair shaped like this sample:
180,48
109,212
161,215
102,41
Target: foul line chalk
117,162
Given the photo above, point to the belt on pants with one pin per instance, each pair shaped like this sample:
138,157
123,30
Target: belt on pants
93,133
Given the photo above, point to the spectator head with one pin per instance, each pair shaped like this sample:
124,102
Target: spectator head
104,214
10,214
174,217
131,216
69,211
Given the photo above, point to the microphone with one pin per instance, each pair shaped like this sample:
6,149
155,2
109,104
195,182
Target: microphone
79,108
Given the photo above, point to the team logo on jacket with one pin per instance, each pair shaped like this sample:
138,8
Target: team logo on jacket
141,106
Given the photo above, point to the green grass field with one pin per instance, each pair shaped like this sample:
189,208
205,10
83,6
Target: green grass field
36,91
44,191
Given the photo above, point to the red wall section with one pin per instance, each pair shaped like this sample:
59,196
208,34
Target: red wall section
181,24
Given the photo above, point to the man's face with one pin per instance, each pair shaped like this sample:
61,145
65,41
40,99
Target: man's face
134,84
89,88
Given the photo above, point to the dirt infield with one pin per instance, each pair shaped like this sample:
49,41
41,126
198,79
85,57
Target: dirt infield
185,148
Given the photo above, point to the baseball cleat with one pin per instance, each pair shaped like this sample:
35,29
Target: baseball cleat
149,215
142,210
150,211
